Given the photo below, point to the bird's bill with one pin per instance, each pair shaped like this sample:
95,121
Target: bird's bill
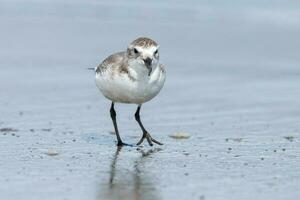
149,67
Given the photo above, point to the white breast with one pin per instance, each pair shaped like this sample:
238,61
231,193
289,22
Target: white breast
136,88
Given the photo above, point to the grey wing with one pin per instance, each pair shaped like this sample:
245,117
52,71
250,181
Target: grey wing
114,60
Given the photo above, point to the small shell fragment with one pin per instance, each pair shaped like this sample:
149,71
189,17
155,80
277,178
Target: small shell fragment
51,152
179,135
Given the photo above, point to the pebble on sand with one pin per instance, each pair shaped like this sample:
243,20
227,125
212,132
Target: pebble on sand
52,152
8,130
180,135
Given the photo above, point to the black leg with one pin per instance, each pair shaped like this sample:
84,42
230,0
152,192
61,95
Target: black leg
145,132
113,117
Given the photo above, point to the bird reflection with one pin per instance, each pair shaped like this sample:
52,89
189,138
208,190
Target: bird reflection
127,182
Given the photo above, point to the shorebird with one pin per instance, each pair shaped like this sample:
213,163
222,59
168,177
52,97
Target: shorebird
133,76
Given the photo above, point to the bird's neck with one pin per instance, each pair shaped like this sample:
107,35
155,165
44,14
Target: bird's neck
140,72
156,72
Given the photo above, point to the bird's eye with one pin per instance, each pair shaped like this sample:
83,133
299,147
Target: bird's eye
135,50
156,52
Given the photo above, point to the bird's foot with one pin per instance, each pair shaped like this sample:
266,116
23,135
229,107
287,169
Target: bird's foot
150,140
121,144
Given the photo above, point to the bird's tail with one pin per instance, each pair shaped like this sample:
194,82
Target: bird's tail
91,68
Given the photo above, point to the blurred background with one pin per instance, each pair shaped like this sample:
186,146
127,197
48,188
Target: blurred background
232,87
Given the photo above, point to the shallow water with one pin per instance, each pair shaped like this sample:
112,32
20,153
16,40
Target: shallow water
232,85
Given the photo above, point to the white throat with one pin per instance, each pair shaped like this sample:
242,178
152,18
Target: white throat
139,71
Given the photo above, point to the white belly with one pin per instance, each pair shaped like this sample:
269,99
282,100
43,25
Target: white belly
120,88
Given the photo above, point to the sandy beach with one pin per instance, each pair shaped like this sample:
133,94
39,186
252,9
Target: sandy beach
232,90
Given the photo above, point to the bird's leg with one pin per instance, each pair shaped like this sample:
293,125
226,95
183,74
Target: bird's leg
145,132
113,117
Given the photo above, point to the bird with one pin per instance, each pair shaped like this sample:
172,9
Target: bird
132,76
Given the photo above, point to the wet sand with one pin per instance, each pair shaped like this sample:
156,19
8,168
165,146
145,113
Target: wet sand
232,87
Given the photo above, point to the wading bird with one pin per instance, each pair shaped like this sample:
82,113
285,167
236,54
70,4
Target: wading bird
133,76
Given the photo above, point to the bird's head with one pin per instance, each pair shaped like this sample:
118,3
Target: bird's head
144,52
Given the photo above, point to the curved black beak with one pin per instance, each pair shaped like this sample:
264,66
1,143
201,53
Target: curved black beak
148,63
